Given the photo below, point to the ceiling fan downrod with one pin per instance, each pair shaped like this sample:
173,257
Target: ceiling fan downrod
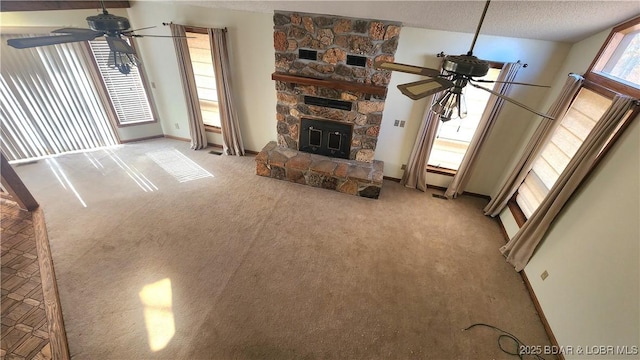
475,37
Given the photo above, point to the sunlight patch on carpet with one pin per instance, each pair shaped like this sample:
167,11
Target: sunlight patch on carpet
178,165
136,175
63,179
158,313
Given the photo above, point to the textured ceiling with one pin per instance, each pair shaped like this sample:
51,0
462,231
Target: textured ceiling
565,21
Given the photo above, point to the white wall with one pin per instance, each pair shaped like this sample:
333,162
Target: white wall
44,21
592,251
251,53
419,47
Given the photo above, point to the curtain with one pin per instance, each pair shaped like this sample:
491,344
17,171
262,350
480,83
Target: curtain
537,141
489,116
415,175
519,249
48,103
196,125
231,137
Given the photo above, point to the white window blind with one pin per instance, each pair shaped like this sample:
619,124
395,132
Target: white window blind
126,92
585,110
204,76
48,104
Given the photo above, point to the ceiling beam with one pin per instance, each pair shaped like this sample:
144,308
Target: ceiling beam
36,5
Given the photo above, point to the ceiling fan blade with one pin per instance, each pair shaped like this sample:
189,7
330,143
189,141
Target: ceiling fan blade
144,28
77,31
512,101
118,45
158,36
29,42
423,88
509,82
411,69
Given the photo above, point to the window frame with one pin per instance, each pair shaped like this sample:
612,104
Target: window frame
606,87
202,30
107,99
611,86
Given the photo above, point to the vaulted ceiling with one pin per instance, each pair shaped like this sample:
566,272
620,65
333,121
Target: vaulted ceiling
565,21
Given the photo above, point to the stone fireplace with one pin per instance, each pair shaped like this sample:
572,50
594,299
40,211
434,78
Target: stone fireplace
330,100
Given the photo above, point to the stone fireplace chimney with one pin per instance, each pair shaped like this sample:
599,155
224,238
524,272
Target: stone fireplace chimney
330,99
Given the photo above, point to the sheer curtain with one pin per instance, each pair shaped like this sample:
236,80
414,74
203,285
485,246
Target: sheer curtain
538,139
231,137
415,175
489,116
196,125
519,249
48,103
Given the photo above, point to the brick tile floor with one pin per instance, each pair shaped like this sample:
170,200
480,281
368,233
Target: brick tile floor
24,333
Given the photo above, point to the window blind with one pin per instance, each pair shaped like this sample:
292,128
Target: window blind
48,104
585,110
204,77
126,92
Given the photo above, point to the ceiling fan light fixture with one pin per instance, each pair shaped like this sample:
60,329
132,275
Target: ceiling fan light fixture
450,106
122,61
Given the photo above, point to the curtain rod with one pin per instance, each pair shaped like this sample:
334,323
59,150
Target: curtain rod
171,22
636,102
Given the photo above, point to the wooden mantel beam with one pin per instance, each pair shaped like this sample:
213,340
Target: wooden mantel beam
37,5
333,84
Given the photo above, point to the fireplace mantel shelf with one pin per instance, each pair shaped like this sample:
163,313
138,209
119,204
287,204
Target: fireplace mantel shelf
332,84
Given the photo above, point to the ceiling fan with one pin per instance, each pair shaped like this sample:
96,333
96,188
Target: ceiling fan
457,72
112,27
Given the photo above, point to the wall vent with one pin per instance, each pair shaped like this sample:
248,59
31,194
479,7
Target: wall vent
307,54
330,103
356,60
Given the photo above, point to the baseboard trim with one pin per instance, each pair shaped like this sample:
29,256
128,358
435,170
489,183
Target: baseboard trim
481,196
391,179
534,298
57,334
141,139
217,146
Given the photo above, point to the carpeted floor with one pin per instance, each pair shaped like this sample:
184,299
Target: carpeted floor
230,265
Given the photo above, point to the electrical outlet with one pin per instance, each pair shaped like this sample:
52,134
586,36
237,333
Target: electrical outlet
396,123
403,167
177,125
153,85
402,123
544,275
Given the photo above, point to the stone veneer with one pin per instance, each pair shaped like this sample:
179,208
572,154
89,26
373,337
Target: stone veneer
346,176
333,38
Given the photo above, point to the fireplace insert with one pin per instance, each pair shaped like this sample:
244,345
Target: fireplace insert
325,137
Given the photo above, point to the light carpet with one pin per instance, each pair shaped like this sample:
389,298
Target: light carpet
182,254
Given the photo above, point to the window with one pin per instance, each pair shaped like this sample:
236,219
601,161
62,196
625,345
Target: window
454,136
41,90
127,93
616,66
614,70
585,110
204,75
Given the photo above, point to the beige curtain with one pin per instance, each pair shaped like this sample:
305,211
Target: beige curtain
520,248
489,116
196,125
231,137
415,175
538,139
